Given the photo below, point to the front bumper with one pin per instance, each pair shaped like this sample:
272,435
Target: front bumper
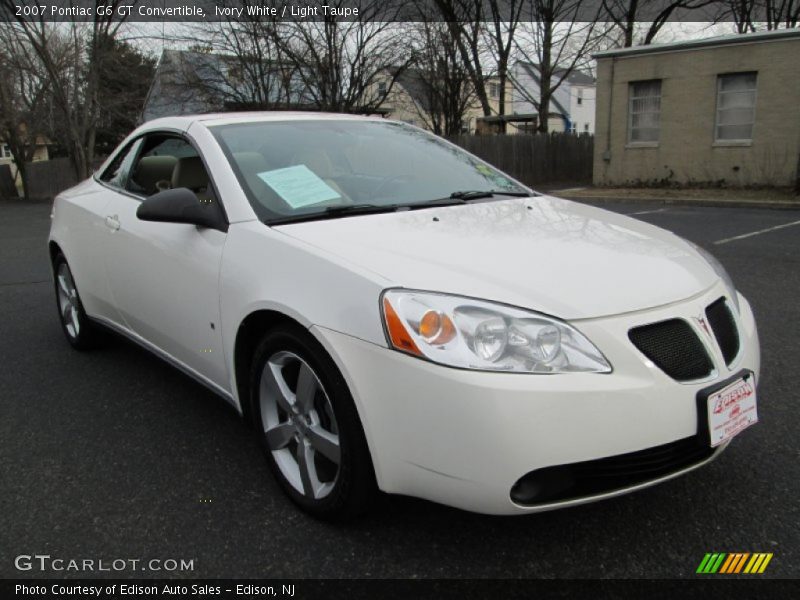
463,438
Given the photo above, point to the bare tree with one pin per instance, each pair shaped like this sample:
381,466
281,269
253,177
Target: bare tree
24,99
750,15
339,62
465,21
556,43
241,64
443,87
505,17
69,55
481,27
627,15
782,13
741,13
125,75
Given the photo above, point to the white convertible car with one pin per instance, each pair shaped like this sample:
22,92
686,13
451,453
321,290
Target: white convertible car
393,313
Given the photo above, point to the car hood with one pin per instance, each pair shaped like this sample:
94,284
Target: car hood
544,253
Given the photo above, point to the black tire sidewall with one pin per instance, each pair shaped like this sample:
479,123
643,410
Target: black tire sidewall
355,486
87,336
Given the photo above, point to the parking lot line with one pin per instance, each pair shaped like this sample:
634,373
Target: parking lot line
752,233
10,283
647,212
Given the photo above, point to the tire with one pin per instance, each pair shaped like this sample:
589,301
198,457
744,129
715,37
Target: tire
81,332
306,419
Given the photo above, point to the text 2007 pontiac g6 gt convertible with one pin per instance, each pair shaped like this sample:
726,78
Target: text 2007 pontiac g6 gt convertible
393,313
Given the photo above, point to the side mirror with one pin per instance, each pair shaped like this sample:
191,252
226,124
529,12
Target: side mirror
181,205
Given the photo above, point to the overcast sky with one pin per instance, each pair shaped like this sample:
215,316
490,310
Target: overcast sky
153,37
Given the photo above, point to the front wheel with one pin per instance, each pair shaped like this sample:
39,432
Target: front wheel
81,332
309,426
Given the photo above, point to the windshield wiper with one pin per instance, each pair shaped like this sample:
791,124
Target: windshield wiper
478,194
346,210
464,196
332,212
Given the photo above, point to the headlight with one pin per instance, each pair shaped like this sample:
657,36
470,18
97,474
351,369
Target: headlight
721,272
474,334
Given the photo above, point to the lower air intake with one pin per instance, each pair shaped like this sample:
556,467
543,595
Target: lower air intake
591,478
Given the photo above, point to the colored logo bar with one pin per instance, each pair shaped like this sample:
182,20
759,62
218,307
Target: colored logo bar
731,563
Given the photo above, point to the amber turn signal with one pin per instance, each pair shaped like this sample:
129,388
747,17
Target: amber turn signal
397,332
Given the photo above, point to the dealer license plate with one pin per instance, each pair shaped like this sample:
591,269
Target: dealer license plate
731,410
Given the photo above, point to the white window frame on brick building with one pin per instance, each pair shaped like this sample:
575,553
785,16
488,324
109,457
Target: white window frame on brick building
736,107
644,112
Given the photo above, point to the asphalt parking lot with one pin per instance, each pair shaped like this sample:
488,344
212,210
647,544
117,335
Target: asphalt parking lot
114,454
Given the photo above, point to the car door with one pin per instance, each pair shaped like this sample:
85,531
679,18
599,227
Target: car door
164,277
82,220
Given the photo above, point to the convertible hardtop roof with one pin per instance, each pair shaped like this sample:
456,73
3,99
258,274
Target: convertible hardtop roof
214,119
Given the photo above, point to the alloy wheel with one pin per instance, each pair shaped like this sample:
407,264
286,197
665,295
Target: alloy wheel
299,425
68,303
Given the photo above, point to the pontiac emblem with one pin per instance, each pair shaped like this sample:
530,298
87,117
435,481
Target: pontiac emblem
702,322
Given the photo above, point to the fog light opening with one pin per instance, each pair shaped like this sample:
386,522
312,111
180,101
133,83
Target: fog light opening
540,486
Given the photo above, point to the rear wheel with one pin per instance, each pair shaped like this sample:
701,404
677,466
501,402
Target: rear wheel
309,427
81,332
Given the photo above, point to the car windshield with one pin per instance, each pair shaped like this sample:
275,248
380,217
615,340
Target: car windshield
320,168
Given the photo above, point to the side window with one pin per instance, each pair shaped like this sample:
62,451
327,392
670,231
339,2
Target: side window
117,172
168,162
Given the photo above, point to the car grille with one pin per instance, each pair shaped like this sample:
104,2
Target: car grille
724,327
590,478
674,348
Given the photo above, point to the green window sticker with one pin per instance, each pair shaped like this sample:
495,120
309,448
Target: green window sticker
299,186
493,176
484,170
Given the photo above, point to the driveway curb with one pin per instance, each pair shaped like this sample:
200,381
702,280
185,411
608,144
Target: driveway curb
721,202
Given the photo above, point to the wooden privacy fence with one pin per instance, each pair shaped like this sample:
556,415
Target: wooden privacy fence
47,178
7,187
538,159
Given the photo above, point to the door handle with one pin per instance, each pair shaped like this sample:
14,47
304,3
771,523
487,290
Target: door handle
112,221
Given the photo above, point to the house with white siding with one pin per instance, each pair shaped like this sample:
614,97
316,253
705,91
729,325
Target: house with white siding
572,105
